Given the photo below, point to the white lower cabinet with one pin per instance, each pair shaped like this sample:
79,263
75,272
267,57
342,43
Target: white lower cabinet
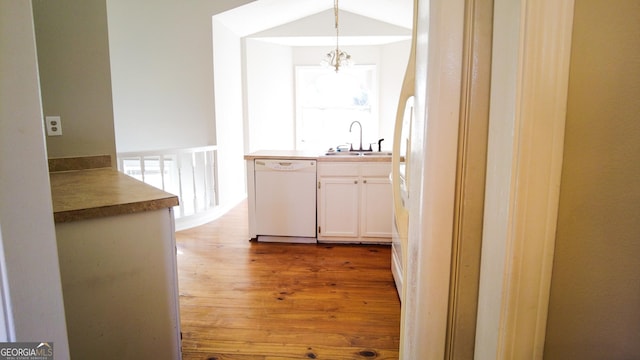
354,202
376,215
120,286
338,208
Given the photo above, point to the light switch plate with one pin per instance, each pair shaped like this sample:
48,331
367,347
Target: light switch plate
54,126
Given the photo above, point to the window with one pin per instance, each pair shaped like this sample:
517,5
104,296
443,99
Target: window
328,102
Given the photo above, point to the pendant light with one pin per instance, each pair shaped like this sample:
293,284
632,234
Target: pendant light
337,58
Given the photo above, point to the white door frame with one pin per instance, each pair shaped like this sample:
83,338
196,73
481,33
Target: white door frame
434,147
532,41
530,75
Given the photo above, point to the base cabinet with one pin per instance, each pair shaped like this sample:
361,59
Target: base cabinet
338,208
376,212
354,202
120,286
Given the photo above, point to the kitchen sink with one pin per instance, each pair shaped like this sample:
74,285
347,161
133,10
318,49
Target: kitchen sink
377,153
357,153
343,153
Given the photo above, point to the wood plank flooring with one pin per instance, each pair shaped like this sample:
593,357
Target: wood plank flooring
243,300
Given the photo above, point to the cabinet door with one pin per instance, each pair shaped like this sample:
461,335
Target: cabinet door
376,209
338,207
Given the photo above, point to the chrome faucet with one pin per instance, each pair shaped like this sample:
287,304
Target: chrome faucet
351,126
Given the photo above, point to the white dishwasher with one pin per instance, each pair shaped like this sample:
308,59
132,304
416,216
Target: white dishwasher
285,200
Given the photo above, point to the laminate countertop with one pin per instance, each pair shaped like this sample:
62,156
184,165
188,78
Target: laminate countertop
367,156
282,154
101,192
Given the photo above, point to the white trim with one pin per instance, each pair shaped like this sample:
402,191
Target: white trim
532,41
434,145
159,152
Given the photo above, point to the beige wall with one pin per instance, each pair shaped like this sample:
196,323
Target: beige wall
594,310
75,76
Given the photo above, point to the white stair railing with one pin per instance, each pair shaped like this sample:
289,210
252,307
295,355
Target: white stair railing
189,173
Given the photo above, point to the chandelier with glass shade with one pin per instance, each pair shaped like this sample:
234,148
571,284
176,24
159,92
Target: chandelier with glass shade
337,58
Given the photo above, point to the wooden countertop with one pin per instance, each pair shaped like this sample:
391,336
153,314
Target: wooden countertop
101,192
306,155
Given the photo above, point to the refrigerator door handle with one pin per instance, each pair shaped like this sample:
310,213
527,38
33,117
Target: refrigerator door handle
406,97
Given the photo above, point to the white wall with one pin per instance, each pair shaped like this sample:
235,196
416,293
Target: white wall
32,274
229,115
269,96
321,24
162,77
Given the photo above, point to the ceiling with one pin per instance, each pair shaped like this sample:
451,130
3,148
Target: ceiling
261,15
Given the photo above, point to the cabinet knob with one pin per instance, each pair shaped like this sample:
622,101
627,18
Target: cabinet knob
355,181
364,181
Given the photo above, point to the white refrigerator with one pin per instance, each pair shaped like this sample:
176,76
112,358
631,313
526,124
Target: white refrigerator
400,176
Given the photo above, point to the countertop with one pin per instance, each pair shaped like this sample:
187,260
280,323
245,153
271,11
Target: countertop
282,154
101,192
306,155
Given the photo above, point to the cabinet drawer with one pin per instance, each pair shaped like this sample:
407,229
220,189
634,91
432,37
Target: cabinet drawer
354,169
338,169
375,169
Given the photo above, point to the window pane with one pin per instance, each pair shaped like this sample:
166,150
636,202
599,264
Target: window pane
328,102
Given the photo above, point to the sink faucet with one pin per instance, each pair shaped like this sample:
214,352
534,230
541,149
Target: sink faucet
351,126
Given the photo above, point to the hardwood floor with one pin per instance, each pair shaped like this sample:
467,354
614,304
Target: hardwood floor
245,300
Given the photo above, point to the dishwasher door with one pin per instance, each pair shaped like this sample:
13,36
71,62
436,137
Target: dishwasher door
285,200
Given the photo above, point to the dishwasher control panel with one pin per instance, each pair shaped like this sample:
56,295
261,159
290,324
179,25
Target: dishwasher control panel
285,165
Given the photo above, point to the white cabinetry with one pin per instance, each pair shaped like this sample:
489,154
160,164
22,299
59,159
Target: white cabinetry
338,207
376,212
120,286
354,202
